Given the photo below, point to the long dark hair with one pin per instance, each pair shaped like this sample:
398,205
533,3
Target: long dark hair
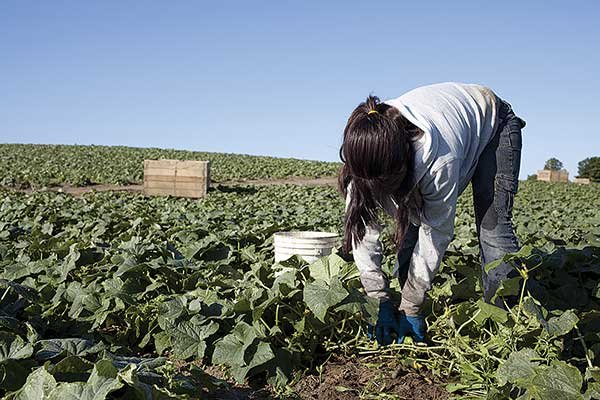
378,159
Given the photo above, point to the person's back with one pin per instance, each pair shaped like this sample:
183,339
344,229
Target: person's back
460,118
428,143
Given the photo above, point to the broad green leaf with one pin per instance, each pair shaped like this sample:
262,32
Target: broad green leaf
559,380
171,310
327,267
357,302
12,347
26,292
50,348
71,368
188,338
531,308
518,368
563,324
138,390
231,349
261,356
282,367
509,287
319,296
489,311
101,382
162,341
38,386
593,391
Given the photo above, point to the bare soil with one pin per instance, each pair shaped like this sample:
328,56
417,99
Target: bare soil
350,379
342,378
79,190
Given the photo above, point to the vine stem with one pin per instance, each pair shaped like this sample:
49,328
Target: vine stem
585,349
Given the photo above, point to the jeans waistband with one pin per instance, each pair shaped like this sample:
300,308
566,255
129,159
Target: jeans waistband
506,113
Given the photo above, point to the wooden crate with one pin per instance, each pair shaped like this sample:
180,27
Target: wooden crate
176,178
553,176
583,181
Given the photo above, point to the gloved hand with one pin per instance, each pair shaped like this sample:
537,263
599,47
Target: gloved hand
410,325
386,324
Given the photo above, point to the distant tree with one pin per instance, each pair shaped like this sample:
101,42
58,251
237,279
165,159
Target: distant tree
554,164
590,168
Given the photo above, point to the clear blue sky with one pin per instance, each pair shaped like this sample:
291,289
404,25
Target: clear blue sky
281,77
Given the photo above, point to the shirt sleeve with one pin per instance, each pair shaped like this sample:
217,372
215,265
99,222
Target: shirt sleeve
368,254
440,193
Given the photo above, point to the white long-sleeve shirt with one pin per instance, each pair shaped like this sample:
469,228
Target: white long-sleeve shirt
458,121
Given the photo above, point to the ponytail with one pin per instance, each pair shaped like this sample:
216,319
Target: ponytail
377,161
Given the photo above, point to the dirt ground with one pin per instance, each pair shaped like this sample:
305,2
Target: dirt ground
79,190
350,379
342,378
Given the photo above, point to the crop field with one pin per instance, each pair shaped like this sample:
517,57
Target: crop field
28,165
120,296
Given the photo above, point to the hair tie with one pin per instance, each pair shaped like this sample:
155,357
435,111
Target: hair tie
373,112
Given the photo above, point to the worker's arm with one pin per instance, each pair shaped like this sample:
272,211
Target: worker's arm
440,192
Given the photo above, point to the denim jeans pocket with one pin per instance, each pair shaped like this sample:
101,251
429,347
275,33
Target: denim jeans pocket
505,188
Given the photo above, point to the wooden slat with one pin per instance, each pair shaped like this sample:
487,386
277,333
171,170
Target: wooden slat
199,180
159,171
159,185
192,168
166,164
190,185
191,179
176,177
158,192
160,178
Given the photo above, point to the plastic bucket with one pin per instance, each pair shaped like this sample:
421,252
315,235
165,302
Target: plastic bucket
309,245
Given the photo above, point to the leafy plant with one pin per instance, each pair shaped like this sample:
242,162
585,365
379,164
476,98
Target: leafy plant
115,295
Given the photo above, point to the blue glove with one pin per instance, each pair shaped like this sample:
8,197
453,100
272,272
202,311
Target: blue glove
410,325
386,324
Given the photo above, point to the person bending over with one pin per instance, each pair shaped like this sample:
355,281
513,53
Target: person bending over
411,157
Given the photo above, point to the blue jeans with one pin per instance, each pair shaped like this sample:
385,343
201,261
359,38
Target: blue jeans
495,184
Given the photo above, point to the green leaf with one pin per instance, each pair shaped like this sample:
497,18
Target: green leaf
139,390
357,302
509,287
26,292
489,311
12,347
51,348
319,296
494,264
171,310
101,382
162,341
231,349
189,338
261,356
38,386
530,307
593,391
563,324
71,368
281,367
559,380
326,268
518,367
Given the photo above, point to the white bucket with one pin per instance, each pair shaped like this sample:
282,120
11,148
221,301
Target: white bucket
309,245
